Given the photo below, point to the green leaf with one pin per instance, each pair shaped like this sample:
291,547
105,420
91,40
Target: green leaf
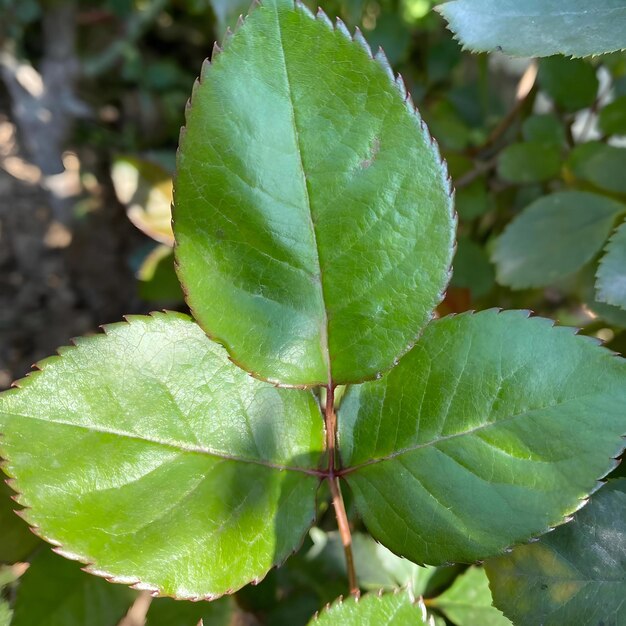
553,238
571,83
611,284
473,200
16,540
55,592
544,129
145,188
538,28
377,567
601,165
612,118
468,601
157,277
372,610
575,575
529,162
168,612
490,431
313,246
146,454
472,268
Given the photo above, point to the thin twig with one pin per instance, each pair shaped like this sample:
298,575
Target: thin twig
524,89
330,419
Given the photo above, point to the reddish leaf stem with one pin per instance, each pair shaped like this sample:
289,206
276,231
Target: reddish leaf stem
330,418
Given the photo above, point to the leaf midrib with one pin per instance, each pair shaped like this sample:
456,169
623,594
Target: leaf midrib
324,327
397,453
176,445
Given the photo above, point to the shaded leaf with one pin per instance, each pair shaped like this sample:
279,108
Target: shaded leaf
16,540
554,237
600,165
486,434
377,567
468,601
145,189
571,83
157,277
149,432
529,162
544,129
312,246
538,28
612,118
611,284
472,268
575,575
372,610
168,612
473,200
55,592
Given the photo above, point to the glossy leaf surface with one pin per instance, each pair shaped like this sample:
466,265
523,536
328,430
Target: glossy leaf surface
575,575
149,433
468,601
55,592
553,238
372,610
312,211
490,431
611,284
529,28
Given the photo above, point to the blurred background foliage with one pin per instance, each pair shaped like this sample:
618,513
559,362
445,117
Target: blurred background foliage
92,98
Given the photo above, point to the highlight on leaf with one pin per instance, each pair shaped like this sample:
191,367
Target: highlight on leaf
314,247
149,432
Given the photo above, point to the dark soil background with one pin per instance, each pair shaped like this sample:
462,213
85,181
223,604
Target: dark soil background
56,281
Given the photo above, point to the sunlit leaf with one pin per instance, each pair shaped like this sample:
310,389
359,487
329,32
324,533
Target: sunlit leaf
372,610
531,28
145,189
146,454
468,601
575,575
313,246
554,237
611,284
55,592
490,431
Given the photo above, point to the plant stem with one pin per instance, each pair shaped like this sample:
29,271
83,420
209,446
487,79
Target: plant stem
330,419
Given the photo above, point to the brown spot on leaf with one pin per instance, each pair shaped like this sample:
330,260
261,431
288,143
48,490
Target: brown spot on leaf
374,150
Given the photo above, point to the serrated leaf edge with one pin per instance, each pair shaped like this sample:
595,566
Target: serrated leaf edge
381,593
582,501
610,244
453,27
396,81
90,566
